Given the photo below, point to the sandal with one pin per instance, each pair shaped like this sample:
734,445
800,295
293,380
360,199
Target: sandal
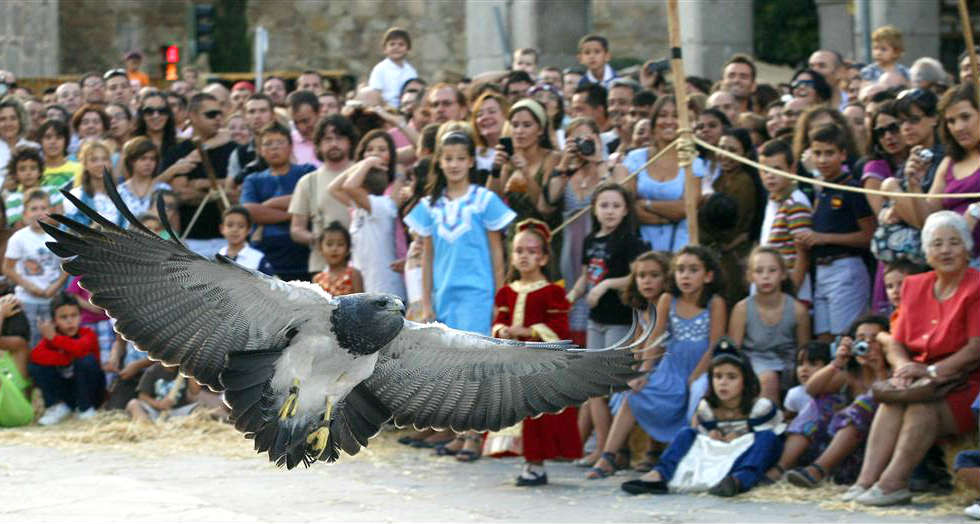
650,460
623,459
595,472
801,477
584,462
469,455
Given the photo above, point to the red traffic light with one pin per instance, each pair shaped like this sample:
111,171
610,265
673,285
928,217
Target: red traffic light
172,54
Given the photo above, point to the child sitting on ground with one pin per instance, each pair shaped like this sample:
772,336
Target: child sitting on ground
733,437
809,359
65,365
831,430
235,226
338,278
162,390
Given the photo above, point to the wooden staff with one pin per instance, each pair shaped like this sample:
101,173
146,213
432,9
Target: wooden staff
691,183
970,47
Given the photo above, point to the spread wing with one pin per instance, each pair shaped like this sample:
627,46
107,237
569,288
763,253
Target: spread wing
222,324
433,376
174,304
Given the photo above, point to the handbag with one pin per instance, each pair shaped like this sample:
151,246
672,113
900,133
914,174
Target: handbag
925,389
892,242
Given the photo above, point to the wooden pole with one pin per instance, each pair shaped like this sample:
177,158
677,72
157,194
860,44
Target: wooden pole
691,183
970,47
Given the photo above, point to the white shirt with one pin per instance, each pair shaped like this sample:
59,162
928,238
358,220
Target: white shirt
388,77
248,256
373,246
796,399
35,262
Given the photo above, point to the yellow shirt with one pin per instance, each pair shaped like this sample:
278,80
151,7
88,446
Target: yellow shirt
66,173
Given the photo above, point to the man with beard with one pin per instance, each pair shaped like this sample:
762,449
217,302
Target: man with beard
312,207
447,102
304,109
738,78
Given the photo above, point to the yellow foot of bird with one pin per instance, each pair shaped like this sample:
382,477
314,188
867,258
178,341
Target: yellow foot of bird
288,408
318,440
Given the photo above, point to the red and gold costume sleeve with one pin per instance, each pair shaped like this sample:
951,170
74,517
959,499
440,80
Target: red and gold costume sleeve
553,324
503,309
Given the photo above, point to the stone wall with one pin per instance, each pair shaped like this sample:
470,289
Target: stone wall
635,28
29,37
325,34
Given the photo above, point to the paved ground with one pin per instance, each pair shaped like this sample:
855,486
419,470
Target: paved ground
151,481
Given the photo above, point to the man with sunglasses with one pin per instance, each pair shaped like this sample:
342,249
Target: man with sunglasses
191,180
117,87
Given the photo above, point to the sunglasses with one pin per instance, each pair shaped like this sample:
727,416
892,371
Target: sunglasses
211,115
802,83
881,131
151,110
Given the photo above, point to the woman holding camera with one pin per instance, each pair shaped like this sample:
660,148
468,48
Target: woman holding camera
659,187
569,188
936,336
958,172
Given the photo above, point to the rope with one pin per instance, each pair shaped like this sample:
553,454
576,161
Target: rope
822,183
578,214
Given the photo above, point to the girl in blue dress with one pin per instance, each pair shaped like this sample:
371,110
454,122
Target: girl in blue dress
660,186
694,314
461,226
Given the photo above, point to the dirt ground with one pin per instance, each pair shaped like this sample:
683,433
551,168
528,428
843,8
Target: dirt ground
197,470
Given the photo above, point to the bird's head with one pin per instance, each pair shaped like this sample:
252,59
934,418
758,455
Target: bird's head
364,322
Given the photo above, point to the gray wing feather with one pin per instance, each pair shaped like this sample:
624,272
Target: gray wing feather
180,307
433,376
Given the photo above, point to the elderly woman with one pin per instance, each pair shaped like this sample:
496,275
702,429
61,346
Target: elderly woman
936,335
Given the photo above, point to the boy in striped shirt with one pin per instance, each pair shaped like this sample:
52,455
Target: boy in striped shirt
788,210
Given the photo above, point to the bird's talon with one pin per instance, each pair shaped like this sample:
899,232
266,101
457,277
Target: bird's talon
318,439
288,408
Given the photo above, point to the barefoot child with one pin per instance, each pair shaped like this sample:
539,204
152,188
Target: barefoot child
544,317
771,324
338,278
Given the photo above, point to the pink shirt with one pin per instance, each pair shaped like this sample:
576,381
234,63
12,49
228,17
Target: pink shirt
303,150
88,317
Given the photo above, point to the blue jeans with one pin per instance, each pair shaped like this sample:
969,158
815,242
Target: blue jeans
84,389
749,467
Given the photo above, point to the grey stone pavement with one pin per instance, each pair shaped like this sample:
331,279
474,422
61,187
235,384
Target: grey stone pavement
390,483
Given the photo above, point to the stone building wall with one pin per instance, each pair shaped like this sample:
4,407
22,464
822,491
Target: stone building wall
29,37
635,28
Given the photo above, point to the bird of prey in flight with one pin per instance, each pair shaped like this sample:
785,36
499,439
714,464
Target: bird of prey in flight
307,375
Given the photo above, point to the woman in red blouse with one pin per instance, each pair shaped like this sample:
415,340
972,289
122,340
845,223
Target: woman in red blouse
937,335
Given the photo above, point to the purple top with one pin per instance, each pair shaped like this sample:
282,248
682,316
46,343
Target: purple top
877,169
969,184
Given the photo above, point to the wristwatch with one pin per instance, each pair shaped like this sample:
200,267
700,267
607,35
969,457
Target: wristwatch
931,371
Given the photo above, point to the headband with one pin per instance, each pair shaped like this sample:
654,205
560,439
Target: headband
456,134
536,225
534,107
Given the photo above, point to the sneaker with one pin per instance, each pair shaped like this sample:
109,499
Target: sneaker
973,511
85,415
54,414
876,497
853,492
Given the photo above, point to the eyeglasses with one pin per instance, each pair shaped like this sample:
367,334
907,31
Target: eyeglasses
155,110
802,83
212,114
881,131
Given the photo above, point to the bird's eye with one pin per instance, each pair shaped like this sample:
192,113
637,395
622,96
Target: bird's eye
381,302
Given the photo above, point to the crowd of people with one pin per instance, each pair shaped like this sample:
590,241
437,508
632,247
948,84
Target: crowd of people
799,304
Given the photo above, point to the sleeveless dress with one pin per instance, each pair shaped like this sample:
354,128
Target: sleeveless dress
769,347
342,284
661,407
969,184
